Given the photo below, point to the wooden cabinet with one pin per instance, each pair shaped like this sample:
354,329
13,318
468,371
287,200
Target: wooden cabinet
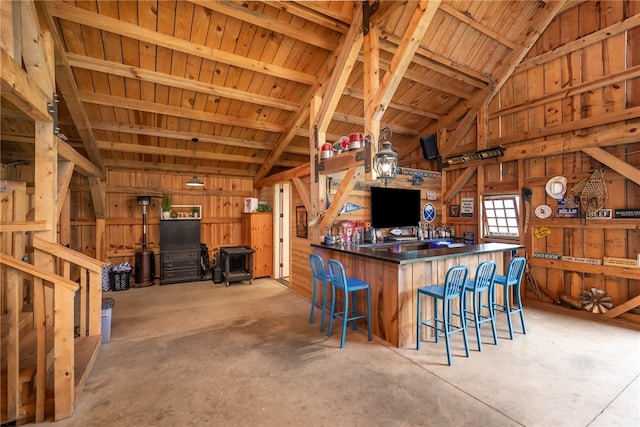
179,250
257,233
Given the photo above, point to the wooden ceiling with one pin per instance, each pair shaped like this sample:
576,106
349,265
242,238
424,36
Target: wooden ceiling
138,80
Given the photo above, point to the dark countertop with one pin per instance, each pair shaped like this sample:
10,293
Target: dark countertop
412,252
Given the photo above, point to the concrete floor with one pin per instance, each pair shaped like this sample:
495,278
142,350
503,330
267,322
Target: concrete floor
204,354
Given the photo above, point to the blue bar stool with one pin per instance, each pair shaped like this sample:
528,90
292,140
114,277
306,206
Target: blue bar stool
318,273
454,285
349,287
511,281
482,312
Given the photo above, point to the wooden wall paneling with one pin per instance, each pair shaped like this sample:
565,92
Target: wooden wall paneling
536,168
633,58
299,269
520,83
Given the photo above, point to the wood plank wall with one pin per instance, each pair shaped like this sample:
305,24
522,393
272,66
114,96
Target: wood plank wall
564,91
222,202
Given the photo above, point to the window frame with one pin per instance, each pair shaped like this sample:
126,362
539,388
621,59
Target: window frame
500,216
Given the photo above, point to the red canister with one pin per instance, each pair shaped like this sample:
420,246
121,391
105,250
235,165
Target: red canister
327,151
356,140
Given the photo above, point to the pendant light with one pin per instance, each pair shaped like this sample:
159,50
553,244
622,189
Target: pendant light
195,181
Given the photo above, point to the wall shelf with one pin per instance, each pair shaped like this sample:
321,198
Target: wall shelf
185,212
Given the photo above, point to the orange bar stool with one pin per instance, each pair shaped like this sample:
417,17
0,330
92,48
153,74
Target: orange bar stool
318,274
483,283
349,287
511,282
453,289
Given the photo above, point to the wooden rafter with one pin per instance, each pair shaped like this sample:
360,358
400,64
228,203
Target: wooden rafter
245,14
302,116
172,168
152,107
80,16
21,91
420,20
109,67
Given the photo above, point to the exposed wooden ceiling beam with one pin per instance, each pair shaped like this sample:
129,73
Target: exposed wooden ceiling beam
21,91
359,94
152,107
37,61
347,55
81,163
297,124
300,171
477,26
426,58
119,164
186,153
80,16
420,21
127,71
300,10
245,14
187,136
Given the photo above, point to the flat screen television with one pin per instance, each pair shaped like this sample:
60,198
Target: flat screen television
394,207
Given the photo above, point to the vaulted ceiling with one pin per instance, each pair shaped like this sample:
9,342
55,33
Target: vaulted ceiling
138,80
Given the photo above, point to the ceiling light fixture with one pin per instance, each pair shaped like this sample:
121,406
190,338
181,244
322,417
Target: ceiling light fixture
195,181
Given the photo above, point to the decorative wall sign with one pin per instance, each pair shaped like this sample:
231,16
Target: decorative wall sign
545,255
429,212
301,222
581,260
568,213
621,262
541,232
454,210
466,207
627,213
600,214
431,195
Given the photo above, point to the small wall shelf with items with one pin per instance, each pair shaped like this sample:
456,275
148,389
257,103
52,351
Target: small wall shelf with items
184,212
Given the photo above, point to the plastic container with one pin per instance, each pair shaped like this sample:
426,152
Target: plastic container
107,308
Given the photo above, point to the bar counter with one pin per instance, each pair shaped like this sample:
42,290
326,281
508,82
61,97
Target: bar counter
396,270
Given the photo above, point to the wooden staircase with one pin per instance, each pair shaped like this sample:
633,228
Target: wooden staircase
44,365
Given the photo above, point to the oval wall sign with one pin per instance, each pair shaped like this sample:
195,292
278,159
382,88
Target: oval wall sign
429,212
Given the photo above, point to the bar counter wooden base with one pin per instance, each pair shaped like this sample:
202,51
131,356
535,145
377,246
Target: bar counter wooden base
395,279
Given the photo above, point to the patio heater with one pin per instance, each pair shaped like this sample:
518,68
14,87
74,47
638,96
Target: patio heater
145,266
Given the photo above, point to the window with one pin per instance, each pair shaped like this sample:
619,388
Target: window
500,215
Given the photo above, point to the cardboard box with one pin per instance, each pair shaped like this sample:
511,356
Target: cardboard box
250,204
